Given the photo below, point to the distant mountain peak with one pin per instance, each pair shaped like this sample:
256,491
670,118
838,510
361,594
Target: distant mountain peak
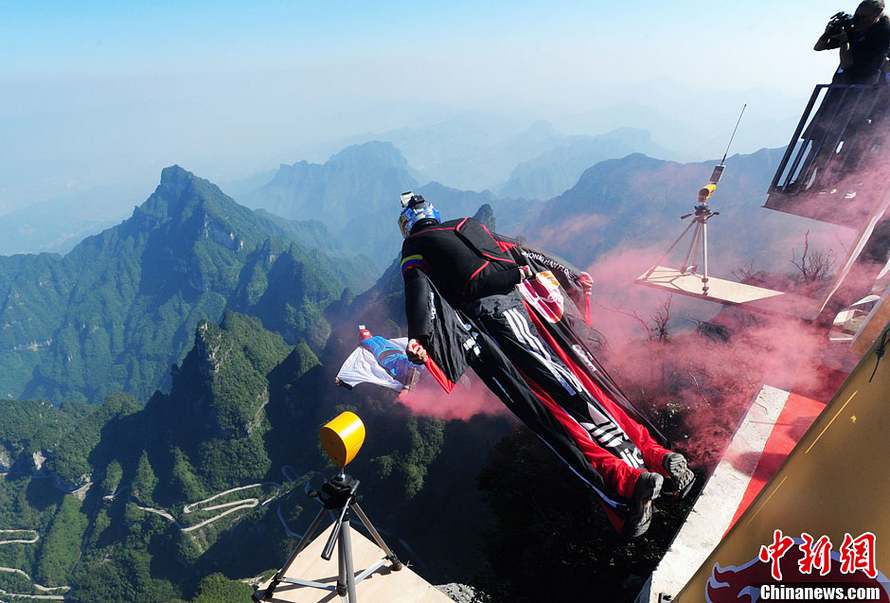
355,191
376,151
180,193
176,185
637,159
485,215
176,177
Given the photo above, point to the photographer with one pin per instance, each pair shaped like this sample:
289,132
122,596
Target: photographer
863,40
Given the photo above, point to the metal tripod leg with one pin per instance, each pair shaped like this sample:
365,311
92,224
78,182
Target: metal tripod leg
308,535
704,243
690,254
342,590
341,537
345,549
335,533
396,564
669,249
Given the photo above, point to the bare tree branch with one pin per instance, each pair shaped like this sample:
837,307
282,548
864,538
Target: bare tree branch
813,265
747,273
659,323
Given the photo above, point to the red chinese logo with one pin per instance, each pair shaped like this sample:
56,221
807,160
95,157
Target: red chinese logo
802,562
774,552
856,554
816,555
859,554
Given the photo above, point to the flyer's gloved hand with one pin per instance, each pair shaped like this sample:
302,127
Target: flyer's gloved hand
586,282
415,352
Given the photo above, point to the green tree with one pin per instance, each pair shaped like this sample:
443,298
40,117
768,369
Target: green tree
113,475
121,574
216,588
186,486
61,546
145,481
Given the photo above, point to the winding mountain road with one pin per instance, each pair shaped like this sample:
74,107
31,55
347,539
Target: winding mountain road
230,507
34,537
31,539
48,593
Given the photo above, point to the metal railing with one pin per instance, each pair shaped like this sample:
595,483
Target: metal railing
832,136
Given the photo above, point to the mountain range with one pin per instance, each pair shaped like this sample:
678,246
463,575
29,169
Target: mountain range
355,195
629,201
557,169
358,181
479,153
120,308
636,203
123,497
230,323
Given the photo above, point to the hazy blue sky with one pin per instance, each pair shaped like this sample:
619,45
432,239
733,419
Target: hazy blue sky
104,92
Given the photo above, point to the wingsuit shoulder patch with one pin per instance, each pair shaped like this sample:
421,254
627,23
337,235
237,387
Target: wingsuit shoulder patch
413,261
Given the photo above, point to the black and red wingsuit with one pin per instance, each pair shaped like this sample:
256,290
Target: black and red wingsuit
468,305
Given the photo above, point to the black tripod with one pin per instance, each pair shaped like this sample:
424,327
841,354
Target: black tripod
338,499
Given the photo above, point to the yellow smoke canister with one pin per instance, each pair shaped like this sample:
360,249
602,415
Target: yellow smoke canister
705,192
342,437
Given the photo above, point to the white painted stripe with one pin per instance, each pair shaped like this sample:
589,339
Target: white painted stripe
721,496
628,460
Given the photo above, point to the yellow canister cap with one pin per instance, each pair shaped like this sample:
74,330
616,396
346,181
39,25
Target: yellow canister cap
342,437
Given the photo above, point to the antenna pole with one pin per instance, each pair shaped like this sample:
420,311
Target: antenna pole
736,129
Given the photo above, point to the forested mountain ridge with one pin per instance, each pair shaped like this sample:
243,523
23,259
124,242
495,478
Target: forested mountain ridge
121,307
120,498
129,531
238,429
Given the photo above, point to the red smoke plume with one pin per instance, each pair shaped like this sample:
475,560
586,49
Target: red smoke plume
697,387
698,375
469,398
713,360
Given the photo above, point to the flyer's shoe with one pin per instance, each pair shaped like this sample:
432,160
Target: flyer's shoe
640,513
681,477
